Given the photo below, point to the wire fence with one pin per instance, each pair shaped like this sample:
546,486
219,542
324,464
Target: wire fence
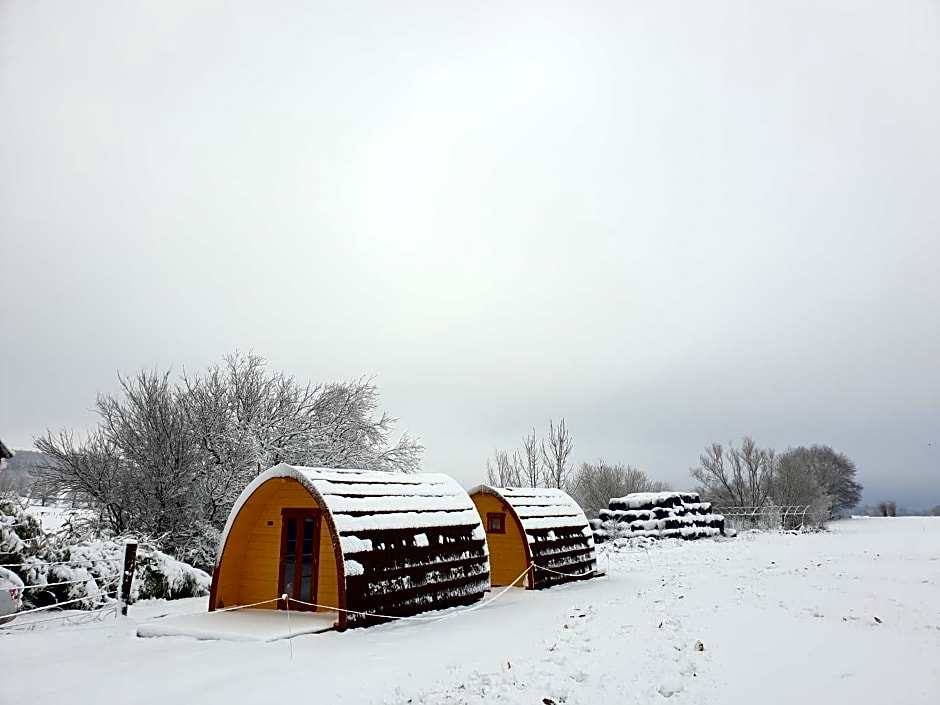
39,564
59,605
774,517
42,586
106,586
72,618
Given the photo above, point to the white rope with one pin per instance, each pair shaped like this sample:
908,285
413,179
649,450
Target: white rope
418,617
233,608
423,618
220,609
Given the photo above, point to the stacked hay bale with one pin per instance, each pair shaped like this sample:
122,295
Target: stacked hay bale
659,515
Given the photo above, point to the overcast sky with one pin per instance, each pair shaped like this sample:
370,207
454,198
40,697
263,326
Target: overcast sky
669,222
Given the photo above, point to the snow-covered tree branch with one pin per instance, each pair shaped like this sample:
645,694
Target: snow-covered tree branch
169,458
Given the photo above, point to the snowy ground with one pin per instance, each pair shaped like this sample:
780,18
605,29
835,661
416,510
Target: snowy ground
783,619
53,518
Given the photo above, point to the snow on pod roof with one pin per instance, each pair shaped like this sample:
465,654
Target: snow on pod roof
539,507
364,500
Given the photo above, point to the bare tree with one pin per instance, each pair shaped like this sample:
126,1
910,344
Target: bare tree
736,476
169,459
887,509
137,466
596,483
523,469
500,472
833,472
530,467
346,433
93,469
538,464
148,425
793,483
556,450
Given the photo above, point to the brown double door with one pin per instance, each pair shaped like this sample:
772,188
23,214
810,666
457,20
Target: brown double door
300,553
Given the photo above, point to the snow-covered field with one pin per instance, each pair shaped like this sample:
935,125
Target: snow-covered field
848,616
53,518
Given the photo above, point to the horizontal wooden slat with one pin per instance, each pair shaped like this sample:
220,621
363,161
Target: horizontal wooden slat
423,569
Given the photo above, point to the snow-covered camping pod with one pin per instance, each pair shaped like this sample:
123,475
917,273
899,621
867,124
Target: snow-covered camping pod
538,527
351,541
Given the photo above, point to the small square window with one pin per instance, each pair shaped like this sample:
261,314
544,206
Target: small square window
496,523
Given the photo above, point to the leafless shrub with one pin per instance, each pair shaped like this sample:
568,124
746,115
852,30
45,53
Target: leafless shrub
596,483
887,509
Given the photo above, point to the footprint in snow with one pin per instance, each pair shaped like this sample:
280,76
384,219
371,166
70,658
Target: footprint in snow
667,691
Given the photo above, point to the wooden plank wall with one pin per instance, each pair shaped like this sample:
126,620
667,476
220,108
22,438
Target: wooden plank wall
250,573
507,551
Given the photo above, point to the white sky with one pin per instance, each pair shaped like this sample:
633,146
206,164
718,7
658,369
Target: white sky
669,222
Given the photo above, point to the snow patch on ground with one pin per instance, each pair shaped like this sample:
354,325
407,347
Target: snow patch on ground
781,618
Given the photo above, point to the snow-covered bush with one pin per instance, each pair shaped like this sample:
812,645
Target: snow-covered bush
199,548
20,534
161,576
86,574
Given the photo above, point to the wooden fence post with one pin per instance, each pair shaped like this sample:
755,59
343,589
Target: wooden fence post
130,561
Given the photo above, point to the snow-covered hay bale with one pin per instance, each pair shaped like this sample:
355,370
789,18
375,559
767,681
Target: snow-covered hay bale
658,515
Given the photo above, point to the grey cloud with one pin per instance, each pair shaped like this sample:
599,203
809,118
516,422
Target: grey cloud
670,224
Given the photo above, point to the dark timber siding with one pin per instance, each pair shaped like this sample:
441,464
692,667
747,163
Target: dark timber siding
559,539
411,543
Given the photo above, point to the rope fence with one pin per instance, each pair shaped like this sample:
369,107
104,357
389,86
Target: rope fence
415,617
115,604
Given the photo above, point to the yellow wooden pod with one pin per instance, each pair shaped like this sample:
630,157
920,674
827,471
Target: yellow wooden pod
368,545
540,528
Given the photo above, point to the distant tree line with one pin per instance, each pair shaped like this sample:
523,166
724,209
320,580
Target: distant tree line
169,457
17,473
744,475
890,508
751,476
887,509
546,462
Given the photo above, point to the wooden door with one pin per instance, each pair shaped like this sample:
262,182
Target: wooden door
300,553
